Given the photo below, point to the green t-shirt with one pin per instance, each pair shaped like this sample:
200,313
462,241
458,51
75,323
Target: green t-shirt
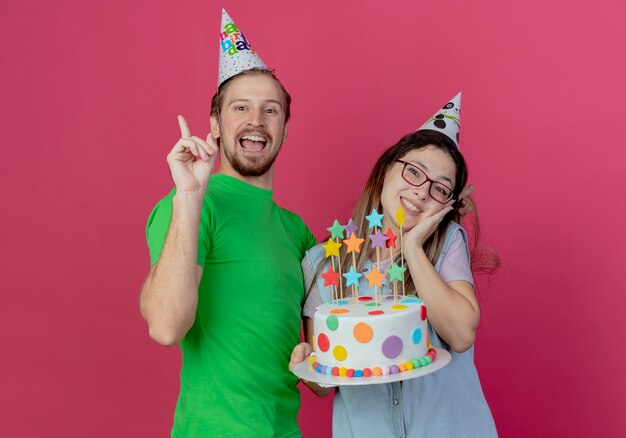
235,379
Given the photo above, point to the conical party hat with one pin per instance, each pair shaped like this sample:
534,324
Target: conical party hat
447,120
236,54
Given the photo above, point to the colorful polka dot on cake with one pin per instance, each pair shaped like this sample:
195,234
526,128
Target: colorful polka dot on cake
363,332
416,337
392,347
323,342
340,353
332,322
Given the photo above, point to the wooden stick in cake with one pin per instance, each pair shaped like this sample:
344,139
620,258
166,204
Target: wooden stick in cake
331,278
352,277
336,232
353,245
391,244
351,230
332,249
375,277
378,241
400,221
395,273
376,231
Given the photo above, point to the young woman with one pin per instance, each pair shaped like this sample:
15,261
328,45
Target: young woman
424,174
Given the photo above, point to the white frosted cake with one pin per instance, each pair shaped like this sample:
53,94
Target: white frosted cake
360,337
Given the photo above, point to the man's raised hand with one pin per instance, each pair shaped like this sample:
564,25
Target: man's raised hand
191,160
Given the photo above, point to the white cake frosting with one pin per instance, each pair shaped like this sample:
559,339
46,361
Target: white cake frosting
360,336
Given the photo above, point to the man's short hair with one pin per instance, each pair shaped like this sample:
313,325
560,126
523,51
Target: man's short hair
218,98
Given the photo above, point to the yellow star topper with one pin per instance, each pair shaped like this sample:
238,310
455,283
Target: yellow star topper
332,248
354,243
400,216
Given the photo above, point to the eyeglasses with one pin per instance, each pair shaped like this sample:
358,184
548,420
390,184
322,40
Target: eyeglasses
417,177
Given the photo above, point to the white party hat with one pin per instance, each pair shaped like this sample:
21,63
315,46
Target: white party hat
447,120
236,54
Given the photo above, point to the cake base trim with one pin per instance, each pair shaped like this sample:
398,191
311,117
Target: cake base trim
373,371
305,371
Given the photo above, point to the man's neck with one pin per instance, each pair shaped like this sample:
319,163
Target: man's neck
264,181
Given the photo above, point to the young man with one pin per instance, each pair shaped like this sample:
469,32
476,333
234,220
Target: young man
225,282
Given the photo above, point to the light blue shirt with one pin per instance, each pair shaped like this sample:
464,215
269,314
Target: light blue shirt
447,403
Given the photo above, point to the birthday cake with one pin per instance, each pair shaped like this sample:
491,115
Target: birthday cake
362,337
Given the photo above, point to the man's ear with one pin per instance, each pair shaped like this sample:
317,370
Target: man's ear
215,126
285,133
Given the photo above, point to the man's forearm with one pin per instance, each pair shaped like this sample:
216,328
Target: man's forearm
170,293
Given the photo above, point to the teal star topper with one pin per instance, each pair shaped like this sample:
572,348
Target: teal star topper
336,231
396,272
352,277
375,219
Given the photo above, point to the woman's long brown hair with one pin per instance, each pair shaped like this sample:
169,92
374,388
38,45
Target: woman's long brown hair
371,199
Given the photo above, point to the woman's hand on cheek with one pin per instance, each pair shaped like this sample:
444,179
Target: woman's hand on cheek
416,237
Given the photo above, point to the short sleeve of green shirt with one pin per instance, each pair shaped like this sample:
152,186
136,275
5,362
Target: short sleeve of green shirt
159,223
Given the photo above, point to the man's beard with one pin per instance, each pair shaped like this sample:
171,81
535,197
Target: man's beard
255,168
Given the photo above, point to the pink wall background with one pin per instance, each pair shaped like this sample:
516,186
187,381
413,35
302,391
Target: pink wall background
89,97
